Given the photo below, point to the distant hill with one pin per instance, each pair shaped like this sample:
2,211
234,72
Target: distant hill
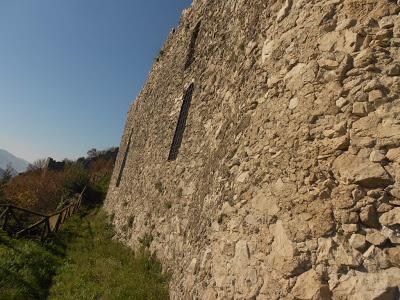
17,163
1,172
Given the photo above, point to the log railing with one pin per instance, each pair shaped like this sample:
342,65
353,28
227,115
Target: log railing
14,219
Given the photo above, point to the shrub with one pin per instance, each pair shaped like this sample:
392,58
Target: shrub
75,180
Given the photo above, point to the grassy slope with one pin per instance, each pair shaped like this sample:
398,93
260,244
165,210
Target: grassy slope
86,262
27,267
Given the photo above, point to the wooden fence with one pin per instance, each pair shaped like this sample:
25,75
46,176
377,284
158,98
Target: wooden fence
22,222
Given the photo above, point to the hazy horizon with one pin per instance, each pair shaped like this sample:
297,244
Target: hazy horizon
71,69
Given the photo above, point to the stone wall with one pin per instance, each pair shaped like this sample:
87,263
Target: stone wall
286,182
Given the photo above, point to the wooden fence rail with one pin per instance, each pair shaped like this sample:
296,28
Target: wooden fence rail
13,222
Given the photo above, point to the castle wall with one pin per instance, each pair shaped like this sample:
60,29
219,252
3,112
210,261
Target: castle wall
264,152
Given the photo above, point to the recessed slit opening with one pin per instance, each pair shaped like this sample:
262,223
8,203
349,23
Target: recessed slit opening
180,126
121,170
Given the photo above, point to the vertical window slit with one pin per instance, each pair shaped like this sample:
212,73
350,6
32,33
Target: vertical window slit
121,170
190,56
180,126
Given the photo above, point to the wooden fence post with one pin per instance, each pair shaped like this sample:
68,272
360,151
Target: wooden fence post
50,223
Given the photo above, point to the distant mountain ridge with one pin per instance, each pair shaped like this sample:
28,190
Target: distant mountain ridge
6,158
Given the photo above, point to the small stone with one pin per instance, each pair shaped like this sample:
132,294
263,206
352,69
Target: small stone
267,50
242,178
328,64
359,109
358,169
383,34
345,258
376,156
391,217
309,286
353,217
350,228
386,22
395,202
358,242
371,252
382,285
340,127
364,58
358,193
293,103
376,238
329,133
374,84
346,24
393,255
340,143
391,235
395,192
394,70
341,102
242,254
284,10
361,97
376,194
368,216
393,155
375,95
227,209
384,207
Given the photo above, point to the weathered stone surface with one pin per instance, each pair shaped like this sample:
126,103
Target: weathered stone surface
293,103
358,241
359,109
242,255
391,235
394,70
369,286
393,154
283,250
358,169
394,256
288,151
376,238
309,286
391,217
265,204
376,156
284,10
369,217
395,192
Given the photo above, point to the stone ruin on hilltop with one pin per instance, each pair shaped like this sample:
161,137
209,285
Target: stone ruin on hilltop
262,158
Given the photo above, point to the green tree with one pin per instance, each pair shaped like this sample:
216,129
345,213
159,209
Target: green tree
8,174
92,153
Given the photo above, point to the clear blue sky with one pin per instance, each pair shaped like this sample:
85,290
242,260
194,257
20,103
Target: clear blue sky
69,69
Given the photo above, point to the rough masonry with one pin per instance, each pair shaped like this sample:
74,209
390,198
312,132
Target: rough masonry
262,158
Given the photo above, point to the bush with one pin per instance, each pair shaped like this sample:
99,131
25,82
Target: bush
76,178
47,191
35,190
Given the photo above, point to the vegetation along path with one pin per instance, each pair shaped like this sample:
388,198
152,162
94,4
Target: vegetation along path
80,262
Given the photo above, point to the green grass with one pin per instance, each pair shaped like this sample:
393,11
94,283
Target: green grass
81,262
99,268
27,267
